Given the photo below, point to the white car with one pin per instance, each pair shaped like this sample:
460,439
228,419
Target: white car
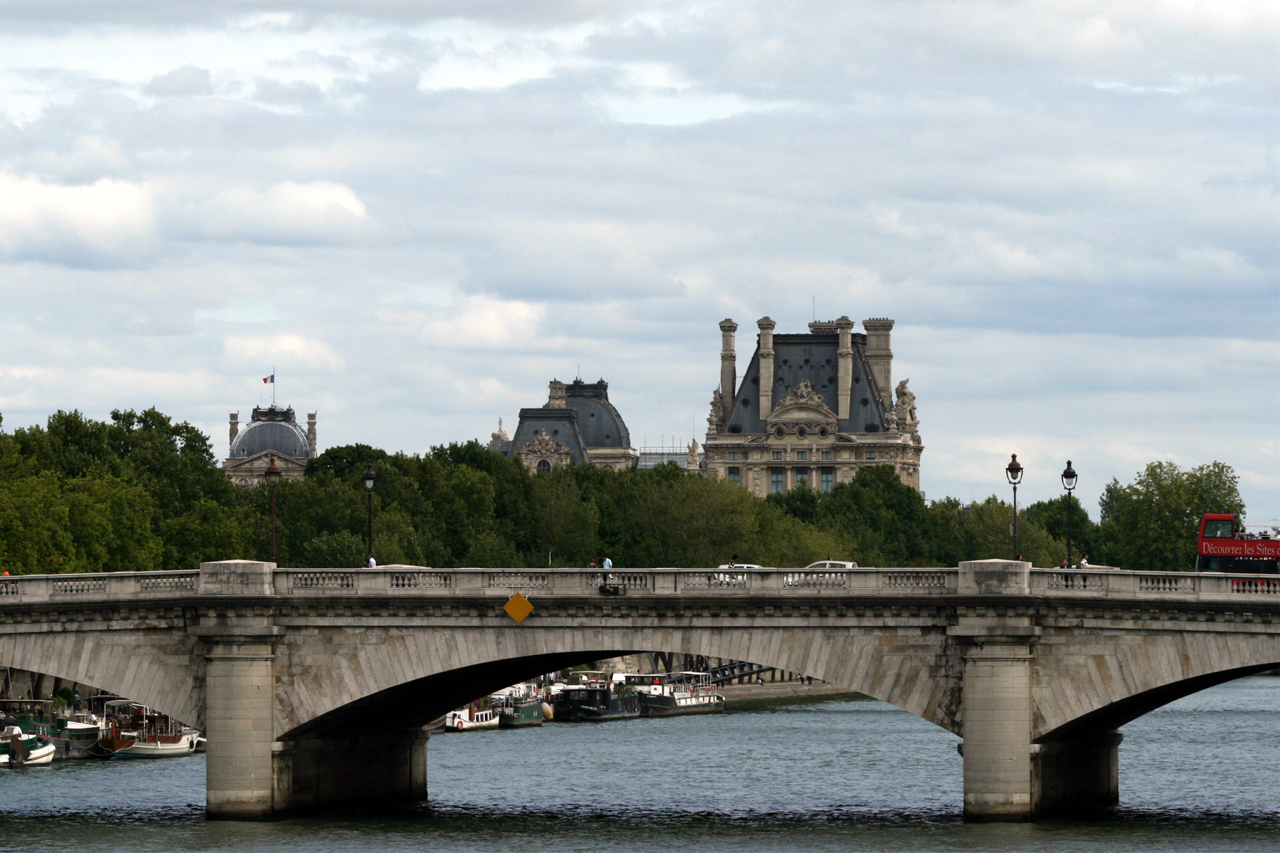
830,564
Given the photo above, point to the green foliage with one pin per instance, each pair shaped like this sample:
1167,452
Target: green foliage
142,492
1151,524
1052,516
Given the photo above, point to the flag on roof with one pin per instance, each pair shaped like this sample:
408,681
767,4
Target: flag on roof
271,379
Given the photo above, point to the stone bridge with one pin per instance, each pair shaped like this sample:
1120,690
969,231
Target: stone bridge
313,686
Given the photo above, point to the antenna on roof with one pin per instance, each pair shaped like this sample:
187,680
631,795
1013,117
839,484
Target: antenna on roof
815,307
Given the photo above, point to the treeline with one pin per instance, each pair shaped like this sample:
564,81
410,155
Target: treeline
141,492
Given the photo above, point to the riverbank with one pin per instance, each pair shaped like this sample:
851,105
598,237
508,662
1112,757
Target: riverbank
741,697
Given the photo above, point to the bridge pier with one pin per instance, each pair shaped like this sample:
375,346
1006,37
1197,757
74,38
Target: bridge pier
996,716
373,770
1078,776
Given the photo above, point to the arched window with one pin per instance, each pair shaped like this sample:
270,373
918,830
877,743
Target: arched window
543,466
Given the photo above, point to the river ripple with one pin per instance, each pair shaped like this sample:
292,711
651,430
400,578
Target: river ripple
1199,774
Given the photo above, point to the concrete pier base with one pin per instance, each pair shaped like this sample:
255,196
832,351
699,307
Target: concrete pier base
361,771
1077,777
239,719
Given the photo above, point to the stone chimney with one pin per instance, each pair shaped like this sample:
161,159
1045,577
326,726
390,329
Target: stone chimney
556,396
844,376
766,366
880,356
235,430
311,433
728,365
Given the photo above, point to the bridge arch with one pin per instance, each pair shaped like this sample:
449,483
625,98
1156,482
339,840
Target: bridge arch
156,664
401,679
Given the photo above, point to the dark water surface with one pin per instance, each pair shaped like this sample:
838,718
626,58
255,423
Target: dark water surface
1201,774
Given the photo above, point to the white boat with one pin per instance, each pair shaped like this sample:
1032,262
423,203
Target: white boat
470,718
28,750
133,731
677,694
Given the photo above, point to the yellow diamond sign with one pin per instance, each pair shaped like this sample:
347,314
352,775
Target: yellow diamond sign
518,608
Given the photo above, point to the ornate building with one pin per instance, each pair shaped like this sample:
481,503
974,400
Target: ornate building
272,433
578,424
811,409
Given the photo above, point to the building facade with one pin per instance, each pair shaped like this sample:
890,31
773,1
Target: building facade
272,433
577,425
811,409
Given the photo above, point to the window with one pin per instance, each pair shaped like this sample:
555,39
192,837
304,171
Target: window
735,475
775,480
777,456
826,456
1218,529
543,466
828,477
871,455
734,456
802,456
779,432
802,477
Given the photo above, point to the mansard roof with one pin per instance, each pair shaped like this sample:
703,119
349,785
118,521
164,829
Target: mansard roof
812,358
560,423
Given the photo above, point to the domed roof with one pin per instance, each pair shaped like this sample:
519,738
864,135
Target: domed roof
272,430
598,420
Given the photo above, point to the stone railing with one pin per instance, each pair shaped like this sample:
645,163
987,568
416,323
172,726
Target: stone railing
1113,583
1094,582
125,586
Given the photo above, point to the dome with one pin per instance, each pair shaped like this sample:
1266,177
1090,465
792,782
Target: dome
280,437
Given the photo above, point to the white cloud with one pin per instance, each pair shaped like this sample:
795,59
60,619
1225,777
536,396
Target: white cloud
106,222
317,212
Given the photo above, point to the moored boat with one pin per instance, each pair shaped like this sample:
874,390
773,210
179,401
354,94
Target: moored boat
596,699
71,738
677,694
521,713
470,718
20,749
133,731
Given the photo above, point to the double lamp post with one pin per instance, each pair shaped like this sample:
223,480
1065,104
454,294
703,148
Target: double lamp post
1013,473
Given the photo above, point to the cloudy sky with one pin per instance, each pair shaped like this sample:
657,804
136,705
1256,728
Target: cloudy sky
418,212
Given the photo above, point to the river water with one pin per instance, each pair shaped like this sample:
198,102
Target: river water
1200,774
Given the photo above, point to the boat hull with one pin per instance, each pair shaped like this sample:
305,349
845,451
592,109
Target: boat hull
616,708
671,706
521,716
172,746
40,755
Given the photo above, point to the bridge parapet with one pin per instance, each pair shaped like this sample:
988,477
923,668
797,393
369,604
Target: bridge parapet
246,578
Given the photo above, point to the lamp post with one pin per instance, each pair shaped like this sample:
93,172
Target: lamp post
369,478
1014,473
1069,483
272,477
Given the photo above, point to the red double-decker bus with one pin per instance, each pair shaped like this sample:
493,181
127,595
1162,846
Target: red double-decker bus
1224,546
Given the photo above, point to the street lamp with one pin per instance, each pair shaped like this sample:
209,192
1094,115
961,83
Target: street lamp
369,478
1014,473
1069,483
272,477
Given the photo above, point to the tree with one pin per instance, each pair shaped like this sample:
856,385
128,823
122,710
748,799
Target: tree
1151,524
1052,516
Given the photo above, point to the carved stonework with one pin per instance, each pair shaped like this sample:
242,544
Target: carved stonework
542,448
691,458
904,411
715,420
802,407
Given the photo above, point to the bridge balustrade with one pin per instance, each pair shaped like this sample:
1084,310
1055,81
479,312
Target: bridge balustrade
418,580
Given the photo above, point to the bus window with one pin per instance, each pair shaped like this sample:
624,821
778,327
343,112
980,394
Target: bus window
1217,528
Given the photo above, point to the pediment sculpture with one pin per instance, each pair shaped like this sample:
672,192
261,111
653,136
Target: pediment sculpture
802,403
